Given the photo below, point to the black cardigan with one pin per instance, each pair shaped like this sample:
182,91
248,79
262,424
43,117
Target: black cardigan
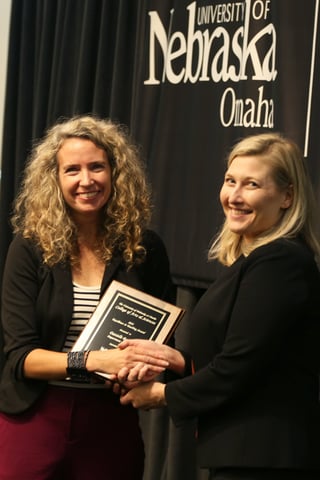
37,304
255,343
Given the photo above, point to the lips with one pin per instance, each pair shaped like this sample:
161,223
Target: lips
87,195
237,212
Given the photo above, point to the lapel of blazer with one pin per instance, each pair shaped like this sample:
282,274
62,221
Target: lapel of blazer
110,272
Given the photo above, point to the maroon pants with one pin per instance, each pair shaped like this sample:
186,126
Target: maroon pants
74,434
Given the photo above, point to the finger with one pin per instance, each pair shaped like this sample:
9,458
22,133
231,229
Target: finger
138,342
123,391
117,389
127,343
129,385
148,352
133,375
125,398
155,369
123,374
143,372
156,360
136,357
108,384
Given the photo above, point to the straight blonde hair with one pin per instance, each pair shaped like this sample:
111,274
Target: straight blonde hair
288,171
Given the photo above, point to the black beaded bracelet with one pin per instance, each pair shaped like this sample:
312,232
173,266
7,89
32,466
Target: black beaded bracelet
76,369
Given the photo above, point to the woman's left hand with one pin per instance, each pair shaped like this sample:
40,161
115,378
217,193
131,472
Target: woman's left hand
127,378
152,349
141,372
145,396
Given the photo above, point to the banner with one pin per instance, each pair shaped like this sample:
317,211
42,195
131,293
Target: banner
208,74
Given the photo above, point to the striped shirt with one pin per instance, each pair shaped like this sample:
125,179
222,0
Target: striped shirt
85,300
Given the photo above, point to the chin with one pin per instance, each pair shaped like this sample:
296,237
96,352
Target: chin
238,230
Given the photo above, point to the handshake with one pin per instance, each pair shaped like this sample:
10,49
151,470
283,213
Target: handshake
132,368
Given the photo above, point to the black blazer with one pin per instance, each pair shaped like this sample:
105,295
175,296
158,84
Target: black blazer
37,304
256,346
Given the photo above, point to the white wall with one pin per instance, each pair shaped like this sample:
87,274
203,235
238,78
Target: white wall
5,10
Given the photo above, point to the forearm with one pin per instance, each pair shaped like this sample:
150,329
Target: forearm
45,365
48,365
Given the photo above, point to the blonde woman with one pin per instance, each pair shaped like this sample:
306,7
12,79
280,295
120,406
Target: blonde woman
256,331
80,220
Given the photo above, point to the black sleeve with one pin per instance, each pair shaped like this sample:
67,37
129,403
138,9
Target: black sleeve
19,293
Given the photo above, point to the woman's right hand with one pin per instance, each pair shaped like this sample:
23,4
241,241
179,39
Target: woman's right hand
113,360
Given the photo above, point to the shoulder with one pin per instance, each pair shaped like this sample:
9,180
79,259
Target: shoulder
23,266
284,247
22,248
152,241
284,253
23,260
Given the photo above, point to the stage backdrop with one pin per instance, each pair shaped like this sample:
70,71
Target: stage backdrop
189,78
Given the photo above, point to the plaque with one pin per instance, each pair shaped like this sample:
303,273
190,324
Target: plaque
127,313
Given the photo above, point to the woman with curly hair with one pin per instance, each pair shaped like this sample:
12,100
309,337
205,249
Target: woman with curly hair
80,220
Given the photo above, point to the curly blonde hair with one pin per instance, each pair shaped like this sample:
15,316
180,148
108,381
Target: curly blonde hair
288,171
41,213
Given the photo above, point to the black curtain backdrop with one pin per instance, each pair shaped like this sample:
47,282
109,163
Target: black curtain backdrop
189,78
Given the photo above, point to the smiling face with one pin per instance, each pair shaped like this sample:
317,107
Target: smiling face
85,176
251,200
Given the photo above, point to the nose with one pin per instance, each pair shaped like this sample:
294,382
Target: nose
85,178
235,195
